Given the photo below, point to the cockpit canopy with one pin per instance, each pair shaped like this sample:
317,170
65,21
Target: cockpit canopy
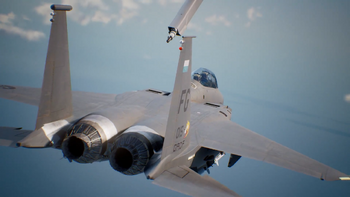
205,77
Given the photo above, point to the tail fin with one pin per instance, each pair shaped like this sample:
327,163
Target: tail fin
56,93
176,136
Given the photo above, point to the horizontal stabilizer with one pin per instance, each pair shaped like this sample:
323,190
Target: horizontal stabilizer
9,136
184,180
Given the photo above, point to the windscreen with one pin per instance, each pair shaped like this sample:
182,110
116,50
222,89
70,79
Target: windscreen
205,77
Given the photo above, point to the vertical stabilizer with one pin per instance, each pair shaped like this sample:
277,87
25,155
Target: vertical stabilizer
56,93
178,132
177,136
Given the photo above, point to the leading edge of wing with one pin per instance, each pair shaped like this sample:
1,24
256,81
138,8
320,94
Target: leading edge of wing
184,180
20,94
9,136
31,96
233,138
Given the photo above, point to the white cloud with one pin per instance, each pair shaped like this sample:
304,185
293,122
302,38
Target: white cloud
194,26
162,2
252,14
44,10
7,18
130,4
165,2
129,9
86,11
7,26
77,15
26,18
347,98
177,1
101,17
91,4
145,1
215,20
93,13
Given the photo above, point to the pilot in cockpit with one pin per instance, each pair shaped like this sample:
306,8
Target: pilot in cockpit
205,77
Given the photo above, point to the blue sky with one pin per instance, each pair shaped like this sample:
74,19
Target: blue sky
282,66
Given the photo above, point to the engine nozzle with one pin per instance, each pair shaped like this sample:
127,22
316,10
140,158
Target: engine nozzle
83,144
73,147
131,153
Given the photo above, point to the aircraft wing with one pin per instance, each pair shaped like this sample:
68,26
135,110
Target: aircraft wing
25,95
31,96
184,180
230,137
10,136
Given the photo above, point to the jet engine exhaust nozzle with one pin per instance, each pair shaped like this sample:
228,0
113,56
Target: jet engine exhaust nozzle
131,153
73,147
83,144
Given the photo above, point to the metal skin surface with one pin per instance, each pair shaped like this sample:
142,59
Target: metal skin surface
182,18
167,130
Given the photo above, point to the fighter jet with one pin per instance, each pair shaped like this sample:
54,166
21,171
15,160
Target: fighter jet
171,137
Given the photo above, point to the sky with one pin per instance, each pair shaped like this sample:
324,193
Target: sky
282,66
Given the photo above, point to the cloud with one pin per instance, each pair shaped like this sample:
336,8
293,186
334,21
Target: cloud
7,18
129,9
84,11
100,11
91,4
130,4
165,2
194,26
347,98
44,10
252,14
177,1
101,17
145,1
162,2
26,18
91,10
215,20
7,26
